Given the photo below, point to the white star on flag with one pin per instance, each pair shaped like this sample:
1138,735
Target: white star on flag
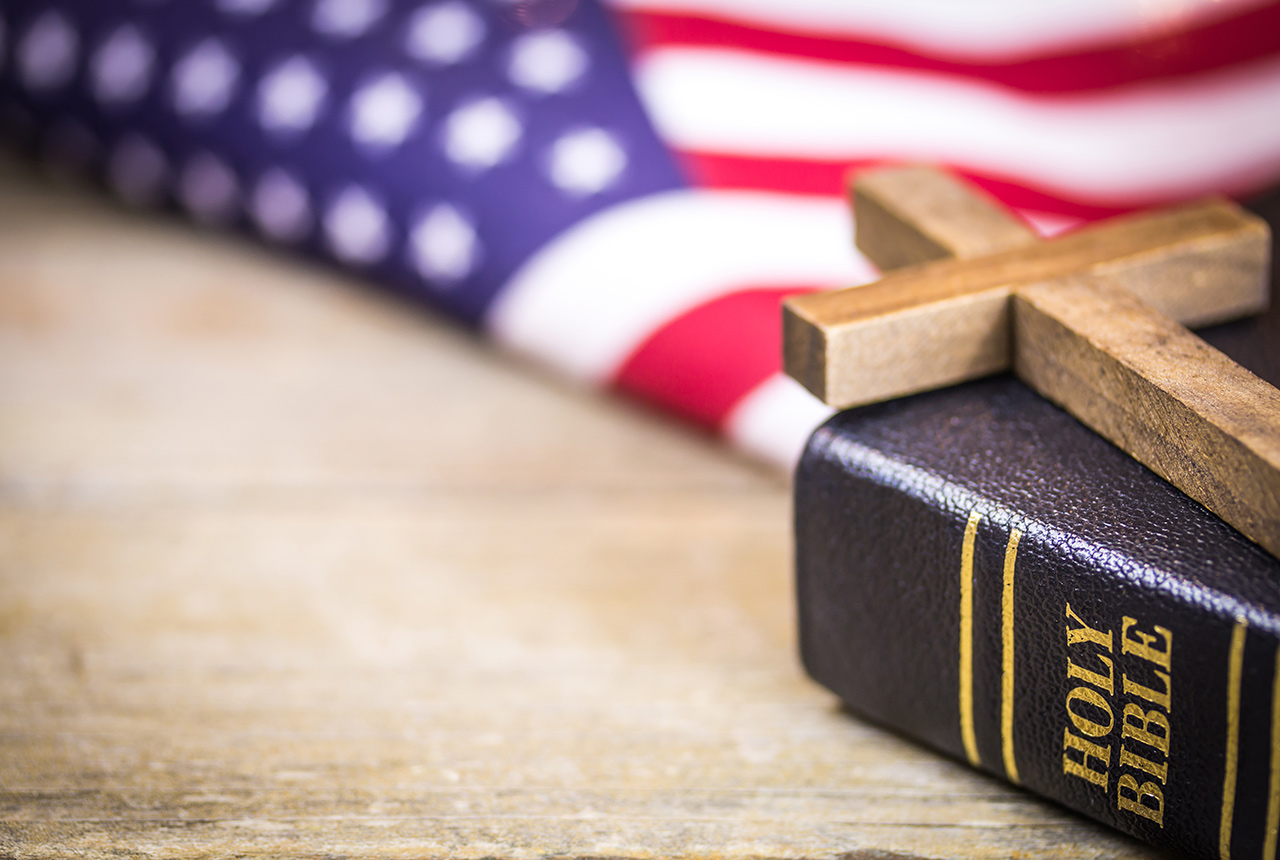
205,79
384,111
290,96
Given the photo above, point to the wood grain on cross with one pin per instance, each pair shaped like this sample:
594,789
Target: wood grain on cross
1092,319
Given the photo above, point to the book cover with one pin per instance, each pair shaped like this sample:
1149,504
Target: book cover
979,571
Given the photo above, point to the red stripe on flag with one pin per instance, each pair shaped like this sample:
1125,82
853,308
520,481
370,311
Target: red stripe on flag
827,178
1231,41
703,362
758,173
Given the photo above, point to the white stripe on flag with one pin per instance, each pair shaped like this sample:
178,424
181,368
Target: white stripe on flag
977,29
1138,144
587,299
773,421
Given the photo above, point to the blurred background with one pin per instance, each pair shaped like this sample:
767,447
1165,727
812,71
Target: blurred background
624,192
316,535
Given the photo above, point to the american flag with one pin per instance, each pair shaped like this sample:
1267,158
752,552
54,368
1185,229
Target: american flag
626,191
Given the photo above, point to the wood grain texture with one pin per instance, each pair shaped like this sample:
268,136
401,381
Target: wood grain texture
941,322
290,570
1090,320
913,214
1159,392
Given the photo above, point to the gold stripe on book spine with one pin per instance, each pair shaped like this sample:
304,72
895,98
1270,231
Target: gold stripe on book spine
1273,792
966,640
1235,667
1006,673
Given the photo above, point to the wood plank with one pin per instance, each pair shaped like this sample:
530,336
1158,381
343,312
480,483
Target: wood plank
293,570
914,214
946,321
1156,390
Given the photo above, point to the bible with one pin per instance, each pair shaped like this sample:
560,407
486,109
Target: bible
979,571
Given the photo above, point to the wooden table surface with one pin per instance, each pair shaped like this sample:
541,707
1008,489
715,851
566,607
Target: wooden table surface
289,568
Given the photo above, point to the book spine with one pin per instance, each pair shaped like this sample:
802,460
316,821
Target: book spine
1144,703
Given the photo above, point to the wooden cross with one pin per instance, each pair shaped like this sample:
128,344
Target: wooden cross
1092,319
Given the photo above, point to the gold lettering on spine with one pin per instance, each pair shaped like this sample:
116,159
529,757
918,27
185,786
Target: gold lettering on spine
1006,675
1143,644
1235,667
1102,682
966,640
1273,792
1138,723
1083,724
1148,729
1156,697
1089,752
1129,758
1134,798
1085,633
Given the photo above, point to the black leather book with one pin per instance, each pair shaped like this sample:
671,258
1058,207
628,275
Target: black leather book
979,571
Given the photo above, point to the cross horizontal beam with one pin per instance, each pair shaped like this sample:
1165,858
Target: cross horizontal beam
947,321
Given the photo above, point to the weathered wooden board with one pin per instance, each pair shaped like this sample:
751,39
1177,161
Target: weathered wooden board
288,569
